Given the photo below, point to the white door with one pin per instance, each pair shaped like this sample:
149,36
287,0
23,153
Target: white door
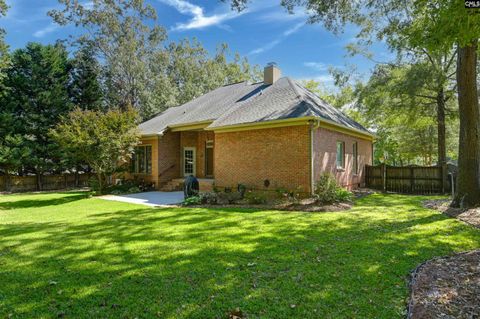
189,163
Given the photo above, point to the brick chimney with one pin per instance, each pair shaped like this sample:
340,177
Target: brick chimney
271,73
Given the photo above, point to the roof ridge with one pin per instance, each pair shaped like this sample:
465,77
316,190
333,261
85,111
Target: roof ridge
244,81
293,84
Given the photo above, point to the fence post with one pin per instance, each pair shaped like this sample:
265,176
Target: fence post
384,177
412,180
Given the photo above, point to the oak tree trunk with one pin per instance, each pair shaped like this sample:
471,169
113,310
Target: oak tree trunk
468,181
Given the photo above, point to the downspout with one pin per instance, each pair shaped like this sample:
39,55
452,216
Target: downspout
314,124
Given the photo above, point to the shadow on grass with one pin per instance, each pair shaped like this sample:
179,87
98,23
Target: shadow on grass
27,203
198,263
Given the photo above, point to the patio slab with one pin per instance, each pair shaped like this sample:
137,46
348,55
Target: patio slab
149,198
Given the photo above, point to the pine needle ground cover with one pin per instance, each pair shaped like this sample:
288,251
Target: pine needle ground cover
65,255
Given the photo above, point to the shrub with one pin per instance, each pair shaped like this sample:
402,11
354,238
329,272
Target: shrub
194,200
126,187
326,188
327,191
289,195
209,198
255,198
224,198
94,184
343,195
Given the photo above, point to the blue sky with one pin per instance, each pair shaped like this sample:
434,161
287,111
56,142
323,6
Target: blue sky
264,33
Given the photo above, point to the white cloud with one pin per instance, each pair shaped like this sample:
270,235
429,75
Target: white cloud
278,15
277,41
326,80
318,66
46,30
199,20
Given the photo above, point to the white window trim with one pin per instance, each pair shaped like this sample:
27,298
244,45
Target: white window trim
194,161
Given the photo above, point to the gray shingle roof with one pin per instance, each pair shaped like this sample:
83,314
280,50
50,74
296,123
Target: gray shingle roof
243,103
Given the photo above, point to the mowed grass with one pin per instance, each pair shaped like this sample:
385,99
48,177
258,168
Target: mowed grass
63,255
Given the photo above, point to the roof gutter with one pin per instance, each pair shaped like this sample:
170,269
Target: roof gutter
261,125
153,134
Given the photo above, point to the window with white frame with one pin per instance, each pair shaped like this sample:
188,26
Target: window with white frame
340,155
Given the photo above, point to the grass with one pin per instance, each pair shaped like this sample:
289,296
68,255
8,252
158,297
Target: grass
63,255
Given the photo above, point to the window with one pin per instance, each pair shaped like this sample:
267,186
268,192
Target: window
355,158
142,160
340,155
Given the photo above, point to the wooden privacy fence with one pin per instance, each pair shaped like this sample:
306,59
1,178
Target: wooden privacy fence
29,183
408,179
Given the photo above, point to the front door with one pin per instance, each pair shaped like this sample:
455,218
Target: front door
189,162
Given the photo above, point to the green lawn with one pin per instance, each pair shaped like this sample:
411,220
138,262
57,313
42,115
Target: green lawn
62,255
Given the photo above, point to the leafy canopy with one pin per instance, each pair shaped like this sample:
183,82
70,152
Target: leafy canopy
104,141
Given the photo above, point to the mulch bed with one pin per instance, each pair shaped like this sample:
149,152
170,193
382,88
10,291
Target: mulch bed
305,205
447,287
470,216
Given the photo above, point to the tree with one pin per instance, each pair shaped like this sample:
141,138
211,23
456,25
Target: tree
409,92
338,99
37,95
192,72
85,90
121,35
104,141
3,45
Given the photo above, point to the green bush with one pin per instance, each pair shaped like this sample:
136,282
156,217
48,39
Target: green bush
343,195
194,200
224,198
94,184
288,194
255,198
327,191
126,187
209,198
326,188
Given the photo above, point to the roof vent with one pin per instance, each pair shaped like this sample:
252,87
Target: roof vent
271,73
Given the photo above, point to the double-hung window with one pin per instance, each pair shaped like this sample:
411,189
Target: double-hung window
355,158
340,155
142,160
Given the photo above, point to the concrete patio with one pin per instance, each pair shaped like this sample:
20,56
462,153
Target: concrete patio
149,198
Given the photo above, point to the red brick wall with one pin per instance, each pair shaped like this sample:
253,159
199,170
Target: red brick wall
196,139
280,155
325,154
168,157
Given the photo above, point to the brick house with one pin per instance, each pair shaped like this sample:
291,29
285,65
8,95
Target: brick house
266,135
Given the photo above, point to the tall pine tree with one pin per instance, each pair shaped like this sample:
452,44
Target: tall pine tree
37,82
85,89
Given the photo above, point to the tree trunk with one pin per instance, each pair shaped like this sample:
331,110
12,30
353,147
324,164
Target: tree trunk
100,183
441,135
468,181
77,182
